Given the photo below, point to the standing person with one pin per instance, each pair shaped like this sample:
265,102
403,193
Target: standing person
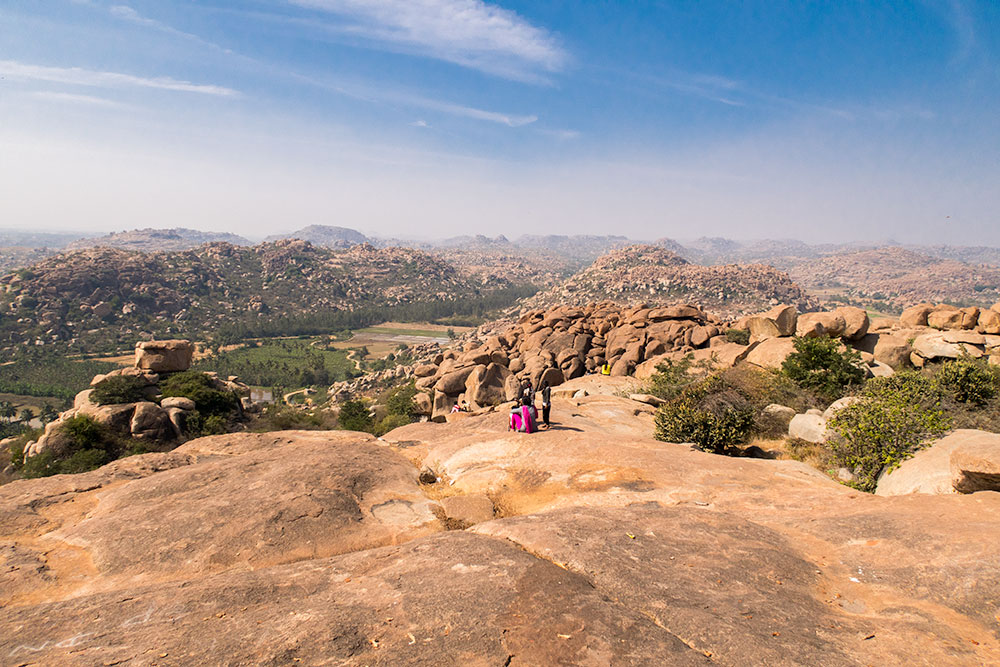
546,402
527,394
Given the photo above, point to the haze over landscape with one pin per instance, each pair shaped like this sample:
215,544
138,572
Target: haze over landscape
497,333
440,117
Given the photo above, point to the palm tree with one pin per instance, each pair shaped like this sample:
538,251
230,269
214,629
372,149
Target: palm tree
26,415
7,411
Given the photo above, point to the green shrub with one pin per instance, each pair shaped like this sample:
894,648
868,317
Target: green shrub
118,389
968,381
390,422
713,415
672,377
893,419
199,388
354,416
282,418
741,336
399,401
90,445
824,365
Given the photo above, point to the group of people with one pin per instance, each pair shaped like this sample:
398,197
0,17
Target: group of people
523,415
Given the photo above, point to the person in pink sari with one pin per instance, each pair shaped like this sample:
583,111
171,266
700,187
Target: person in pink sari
527,418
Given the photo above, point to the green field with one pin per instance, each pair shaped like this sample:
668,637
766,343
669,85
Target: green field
288,363
50,375
403,332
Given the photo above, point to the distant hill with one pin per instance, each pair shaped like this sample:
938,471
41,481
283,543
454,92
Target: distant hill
897,277
650,274
326,236
100,297
28,239
157,240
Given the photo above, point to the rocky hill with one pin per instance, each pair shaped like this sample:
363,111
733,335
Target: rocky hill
16,257
157,240
654,275
107,295
898,277
326,236
465,544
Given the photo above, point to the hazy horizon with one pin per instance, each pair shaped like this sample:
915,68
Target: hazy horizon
438,118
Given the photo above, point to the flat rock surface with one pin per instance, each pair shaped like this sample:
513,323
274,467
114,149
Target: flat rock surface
608,548
243,501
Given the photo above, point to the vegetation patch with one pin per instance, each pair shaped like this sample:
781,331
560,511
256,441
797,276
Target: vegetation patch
83,444
50,374
825,366
118,389
283,363
894,418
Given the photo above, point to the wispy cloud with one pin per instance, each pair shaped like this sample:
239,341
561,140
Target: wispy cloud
376,95
126,13
420,123
470,33
84,77
73,98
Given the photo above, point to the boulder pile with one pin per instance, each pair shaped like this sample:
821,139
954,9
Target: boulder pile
558,344
566,342
156,420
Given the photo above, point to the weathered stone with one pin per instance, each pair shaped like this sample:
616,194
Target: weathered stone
181,402
934,346
700,335
988,322
970,317
553,376
811,428
485,385
424,370
771,353
893,351
839,405
648,399
468,509
454,382
163,356
856,322
929,471
975,464
762,328
812,325
443,403
961,336
423,403
916,316
150,421
775,418
683,312
945,317
785,318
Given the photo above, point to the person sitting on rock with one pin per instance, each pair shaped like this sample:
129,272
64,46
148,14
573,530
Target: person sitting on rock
514,424
606,368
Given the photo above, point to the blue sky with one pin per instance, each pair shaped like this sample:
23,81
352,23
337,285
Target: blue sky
820,121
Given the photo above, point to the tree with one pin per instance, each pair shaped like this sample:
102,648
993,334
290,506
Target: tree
48,414
7,411
823,365
26,415
354,416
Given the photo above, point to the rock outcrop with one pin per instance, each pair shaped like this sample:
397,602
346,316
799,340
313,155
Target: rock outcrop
964,461
608,548
163,356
